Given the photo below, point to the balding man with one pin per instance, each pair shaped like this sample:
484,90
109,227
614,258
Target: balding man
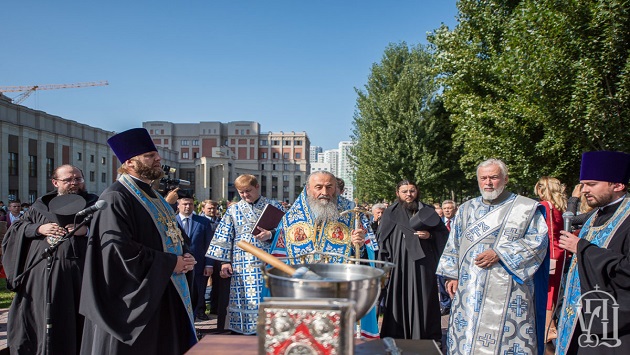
25,241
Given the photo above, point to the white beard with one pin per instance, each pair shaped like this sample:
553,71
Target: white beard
490,196
323,210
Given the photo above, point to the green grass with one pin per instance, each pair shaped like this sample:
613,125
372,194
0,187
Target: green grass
6,296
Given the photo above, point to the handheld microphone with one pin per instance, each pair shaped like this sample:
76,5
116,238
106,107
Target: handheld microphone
568,218
99,205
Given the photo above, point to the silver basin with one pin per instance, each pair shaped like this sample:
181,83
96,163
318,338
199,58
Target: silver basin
358,282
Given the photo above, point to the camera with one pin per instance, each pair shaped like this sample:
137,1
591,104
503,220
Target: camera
167,183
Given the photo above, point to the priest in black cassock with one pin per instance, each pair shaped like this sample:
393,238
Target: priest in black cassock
412,236
599,273
22,246
137,280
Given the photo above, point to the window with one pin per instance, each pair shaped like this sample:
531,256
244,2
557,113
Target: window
285,177
32,166
103,177
262,167
287,142
195,142
161,131
91,158
165,140
298,142
184,142
275,142
196,155
50,166
79,156
247,131
13,163
150,131
275,155
263,142
273,167
103,160
185,155
263,155
190,176
298,155
242,132
92,176
32,196
285,189
285,156
286,167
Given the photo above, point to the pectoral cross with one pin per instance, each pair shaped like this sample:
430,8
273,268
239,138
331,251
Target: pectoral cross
173,233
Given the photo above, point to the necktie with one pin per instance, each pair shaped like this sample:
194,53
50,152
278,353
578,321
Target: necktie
185,224
448,224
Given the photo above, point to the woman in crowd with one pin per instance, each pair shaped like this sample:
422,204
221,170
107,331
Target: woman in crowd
552,196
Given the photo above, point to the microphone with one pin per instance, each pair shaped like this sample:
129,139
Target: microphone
99,205
568,218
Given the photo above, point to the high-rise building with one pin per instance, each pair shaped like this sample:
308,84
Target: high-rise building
313,153
346,168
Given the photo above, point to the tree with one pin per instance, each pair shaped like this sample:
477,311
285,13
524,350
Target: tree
536,83
400,130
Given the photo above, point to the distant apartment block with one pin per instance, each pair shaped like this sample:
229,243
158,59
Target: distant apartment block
345,168
313,153
213,154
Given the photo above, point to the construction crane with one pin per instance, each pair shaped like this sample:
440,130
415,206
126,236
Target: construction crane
28,90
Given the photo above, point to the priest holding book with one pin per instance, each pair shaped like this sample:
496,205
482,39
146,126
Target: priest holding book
247,280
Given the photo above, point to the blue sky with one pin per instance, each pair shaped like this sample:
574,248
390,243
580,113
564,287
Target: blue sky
290,65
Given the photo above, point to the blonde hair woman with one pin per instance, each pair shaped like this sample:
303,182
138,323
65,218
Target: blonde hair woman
553,197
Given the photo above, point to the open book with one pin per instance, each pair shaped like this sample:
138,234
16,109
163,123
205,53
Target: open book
269,219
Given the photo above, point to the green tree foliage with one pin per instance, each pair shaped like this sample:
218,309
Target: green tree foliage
400,130
536,83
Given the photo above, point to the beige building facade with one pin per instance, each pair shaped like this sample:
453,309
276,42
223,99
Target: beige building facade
213,154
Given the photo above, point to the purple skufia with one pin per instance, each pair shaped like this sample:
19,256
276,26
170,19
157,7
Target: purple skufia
130,143
605,166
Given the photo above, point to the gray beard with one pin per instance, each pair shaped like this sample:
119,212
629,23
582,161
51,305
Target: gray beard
323,210
490,196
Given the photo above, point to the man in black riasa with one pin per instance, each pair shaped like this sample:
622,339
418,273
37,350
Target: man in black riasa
136,287
22,246
595,317
411,306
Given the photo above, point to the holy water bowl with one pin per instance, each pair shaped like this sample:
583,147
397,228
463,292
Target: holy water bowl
359,282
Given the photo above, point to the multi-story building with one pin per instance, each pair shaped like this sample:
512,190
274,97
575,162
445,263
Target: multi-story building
346,168
330,157
33,143
213,154
314,151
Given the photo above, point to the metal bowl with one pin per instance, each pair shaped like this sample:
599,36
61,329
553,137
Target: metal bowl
359,282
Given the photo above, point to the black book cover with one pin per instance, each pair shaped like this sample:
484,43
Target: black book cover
269,219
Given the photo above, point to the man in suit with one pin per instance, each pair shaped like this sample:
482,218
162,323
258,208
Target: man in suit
220,295
449,207
200,233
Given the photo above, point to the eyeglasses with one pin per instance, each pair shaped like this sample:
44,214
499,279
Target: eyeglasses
72,180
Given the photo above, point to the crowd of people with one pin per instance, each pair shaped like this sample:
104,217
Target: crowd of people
515,274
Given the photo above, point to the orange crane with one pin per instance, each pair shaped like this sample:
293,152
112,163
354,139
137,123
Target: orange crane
28,90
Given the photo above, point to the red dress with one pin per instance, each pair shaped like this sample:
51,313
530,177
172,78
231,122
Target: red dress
554,224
